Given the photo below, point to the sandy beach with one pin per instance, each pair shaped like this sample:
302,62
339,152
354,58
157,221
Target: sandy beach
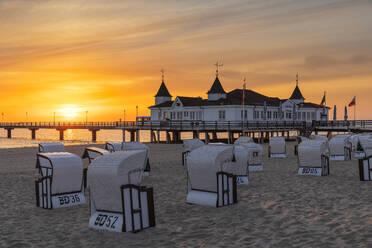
277,209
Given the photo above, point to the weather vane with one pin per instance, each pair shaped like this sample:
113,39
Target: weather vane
217,65
162,75
297,79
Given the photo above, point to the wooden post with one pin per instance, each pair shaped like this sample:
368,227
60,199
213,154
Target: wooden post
61,133
132,134
151,136
206,137
214,136
123,134
168,137
158,131
33,133
9,131
138,135
94,134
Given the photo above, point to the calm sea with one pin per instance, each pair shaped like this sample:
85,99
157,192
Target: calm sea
22,137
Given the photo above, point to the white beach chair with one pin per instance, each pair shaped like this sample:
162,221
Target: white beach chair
313,158
365,163
277,147
239,165
92,153
340,147
51,147
188,146
60,180
129,146
299,140
255,154
118,202
209,183
114,146
361,144
243,140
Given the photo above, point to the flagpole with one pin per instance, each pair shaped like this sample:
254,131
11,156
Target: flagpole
354,108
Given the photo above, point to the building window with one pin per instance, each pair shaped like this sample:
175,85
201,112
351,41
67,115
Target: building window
308,115
221,114
298,115
256,114
192,115
185,114
262,115
179,115
304,116
173,115
288,115
165,115
275,115
268,114
313,115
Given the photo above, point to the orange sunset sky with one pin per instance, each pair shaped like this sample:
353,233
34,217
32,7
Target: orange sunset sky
103,57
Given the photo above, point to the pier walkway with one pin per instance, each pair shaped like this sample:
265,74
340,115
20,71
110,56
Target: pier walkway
173,129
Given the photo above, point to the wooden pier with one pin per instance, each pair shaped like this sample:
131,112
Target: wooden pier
261,130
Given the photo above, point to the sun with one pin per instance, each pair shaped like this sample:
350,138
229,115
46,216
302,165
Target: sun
69,111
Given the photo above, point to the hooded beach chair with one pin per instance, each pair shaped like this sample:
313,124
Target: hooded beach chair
127,146
299,140
188,146
361,144
209,182
340,147
60,180
118,201
277,147
313,158
51,147
365,163
92,153
243,140
254,156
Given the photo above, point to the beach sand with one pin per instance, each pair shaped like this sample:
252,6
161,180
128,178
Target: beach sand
277,209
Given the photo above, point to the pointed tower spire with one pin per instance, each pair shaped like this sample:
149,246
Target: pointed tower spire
296,94
163,94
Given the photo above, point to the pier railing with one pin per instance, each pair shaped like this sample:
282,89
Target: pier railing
349,124
188,125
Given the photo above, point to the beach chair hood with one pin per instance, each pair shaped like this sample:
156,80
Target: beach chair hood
310,152
203,164
107,173
67,170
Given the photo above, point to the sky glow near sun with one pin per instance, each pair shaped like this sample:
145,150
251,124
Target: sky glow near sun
69,57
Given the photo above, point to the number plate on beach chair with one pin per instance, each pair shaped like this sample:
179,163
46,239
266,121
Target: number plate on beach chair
310,171
106,221
68,200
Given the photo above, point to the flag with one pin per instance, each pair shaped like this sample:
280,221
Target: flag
323,99
353,102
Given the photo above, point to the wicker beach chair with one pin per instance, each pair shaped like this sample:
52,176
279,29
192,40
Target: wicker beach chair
313,158
118,201
277,147
60,180
51,147
340,147
209,182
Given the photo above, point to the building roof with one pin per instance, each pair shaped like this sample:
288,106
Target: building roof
216,87
296,94
163,91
